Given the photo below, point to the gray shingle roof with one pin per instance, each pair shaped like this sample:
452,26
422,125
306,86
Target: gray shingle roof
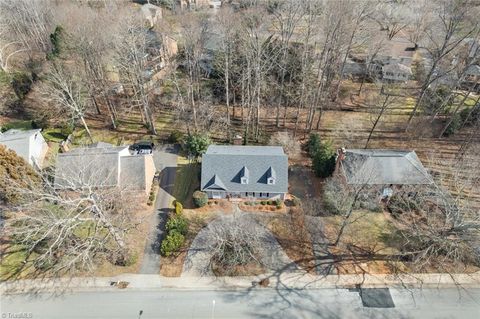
473,70
379,167
98,167
132,173
222,167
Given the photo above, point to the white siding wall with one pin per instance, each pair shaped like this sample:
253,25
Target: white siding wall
37,150
255,195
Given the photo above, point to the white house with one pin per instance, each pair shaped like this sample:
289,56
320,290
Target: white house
27,144
396,72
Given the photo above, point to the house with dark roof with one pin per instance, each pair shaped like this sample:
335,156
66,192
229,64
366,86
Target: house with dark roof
471,78
383,168
104,165
27,144
237,171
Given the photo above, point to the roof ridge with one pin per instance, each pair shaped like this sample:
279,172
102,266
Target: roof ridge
423,172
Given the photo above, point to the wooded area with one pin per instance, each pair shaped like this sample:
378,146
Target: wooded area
272,72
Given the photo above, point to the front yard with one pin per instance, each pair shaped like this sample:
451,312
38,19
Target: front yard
366,234
14,263
172,266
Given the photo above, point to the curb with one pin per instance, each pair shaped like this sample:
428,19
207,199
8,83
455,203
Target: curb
295,280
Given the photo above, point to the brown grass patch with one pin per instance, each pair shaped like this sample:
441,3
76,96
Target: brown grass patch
291,233
262,208
136,240
366,234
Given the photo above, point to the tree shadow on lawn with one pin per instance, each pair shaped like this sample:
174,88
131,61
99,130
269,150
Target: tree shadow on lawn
187,181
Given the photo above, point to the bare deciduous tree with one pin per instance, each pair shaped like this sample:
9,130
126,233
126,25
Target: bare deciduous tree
66,90
66,230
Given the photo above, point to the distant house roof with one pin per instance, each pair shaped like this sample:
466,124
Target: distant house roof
473,70
379,167
224,166
397,68
19,141
473,46
100,145
151,13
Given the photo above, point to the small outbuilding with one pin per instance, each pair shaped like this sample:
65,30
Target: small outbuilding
27,144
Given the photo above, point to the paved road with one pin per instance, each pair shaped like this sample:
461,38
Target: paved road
321,303
165,158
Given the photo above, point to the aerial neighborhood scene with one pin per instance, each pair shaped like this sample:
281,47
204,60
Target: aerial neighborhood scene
240,159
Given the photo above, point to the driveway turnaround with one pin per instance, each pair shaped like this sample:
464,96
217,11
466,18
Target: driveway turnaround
199,254
165,158
254,303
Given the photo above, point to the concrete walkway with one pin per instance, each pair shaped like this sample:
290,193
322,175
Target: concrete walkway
288,281
165,158
272,256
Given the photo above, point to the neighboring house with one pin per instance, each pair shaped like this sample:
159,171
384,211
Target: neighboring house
471,79
236,171
104,165
391,64
384,168
27,144
192,4
396,72
151,13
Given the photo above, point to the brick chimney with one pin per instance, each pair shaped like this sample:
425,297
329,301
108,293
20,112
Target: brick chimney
341,154
237,140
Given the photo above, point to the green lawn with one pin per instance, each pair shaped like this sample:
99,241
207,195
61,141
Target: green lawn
19,125
12,262
186,181
54,135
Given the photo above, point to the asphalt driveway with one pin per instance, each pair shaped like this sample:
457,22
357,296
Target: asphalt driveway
165,158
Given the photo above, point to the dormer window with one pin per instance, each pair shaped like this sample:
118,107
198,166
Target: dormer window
271,176
244,175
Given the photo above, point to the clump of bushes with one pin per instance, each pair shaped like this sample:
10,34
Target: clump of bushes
197,144
177,224
177,229
172,243
322,154
175,137
278,203
470,116
151,198
200,198
178,207
296,201
454,125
